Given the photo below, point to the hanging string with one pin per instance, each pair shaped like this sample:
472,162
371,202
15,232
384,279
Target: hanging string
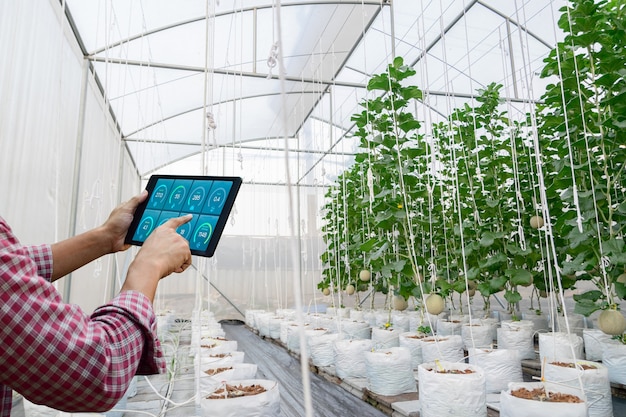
304,360
603,261
527,85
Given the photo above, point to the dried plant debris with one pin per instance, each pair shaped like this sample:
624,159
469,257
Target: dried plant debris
539,394
232,391
215,371
584,366
454,371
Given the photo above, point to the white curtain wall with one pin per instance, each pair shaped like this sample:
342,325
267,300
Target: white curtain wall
64,167
62,163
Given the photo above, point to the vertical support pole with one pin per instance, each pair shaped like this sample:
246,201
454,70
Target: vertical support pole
392,22
511,58
118,201
78,156
254,39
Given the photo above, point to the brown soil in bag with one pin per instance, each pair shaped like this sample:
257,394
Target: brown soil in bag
454,371
232,391
585,367
539,394
215,371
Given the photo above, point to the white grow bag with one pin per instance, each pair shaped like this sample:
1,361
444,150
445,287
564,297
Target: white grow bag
517,335
389,371
222,360
262,321
350,358
251,316
211,346
560,346
594,341
476,335
449,328
446,394
312,334
401,321
266,404
501,366
293,337
595,383
511,406
321,349
614,358
448,348
425,319
284,330
274,327
540,321
413,341
352,329
237,371
386,338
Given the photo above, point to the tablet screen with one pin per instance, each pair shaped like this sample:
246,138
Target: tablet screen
209,199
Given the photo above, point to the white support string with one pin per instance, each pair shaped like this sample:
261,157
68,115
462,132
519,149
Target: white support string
588,152
304,359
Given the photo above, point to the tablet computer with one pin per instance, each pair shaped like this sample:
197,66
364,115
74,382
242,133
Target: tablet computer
208,198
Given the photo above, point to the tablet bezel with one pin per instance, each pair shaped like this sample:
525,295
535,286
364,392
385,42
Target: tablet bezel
222,218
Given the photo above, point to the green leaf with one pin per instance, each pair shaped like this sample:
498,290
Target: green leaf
586,307
593,295
369,244
443,286
519,276
498,283
379,82
380,251
512,297
487,239
411,92
620,290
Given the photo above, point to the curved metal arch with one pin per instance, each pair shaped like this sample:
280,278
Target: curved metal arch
231,12
462,15
196,108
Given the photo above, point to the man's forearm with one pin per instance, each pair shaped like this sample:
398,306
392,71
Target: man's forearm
75,252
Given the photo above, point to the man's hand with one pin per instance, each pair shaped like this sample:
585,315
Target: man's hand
119,220
164,252
167,247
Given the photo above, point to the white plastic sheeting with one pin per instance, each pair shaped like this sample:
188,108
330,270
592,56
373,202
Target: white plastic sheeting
98,95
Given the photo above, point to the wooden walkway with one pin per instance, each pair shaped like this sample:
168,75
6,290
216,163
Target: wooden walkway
275,363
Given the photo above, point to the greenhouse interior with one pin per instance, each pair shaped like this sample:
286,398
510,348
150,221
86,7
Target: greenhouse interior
424,213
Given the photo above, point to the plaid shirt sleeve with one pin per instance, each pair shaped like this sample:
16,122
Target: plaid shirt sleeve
55,354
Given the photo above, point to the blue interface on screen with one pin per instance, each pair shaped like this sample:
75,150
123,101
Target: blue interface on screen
204,199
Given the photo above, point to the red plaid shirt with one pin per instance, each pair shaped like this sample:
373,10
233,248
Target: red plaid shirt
55,354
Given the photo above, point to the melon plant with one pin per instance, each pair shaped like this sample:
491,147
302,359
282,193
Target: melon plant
584,175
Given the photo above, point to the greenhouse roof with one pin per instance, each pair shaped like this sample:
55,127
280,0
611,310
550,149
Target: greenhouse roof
155,59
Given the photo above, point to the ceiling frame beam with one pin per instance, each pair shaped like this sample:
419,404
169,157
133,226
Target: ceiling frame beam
231,12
